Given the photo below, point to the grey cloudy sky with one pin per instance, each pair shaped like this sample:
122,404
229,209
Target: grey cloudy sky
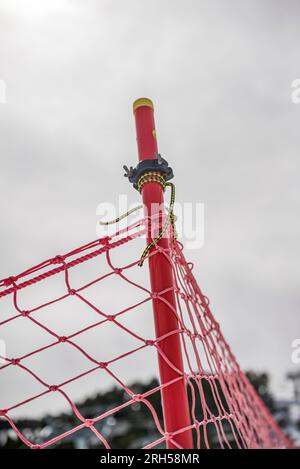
220,76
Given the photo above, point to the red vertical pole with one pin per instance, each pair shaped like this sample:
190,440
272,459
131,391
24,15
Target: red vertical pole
174,397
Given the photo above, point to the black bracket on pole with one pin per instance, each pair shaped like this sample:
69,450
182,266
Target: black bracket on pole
157,165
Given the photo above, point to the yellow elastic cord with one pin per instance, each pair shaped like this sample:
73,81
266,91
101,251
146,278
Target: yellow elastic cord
116,220
157,177
171,218
151,177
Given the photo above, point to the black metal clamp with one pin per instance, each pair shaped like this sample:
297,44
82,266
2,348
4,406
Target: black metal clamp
157,165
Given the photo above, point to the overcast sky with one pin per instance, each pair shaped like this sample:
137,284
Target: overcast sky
220,76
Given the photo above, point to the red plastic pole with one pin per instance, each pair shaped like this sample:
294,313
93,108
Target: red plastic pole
174,397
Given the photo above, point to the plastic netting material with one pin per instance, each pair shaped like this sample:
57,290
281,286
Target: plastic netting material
239,418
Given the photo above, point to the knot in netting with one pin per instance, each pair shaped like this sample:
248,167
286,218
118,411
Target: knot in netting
103,364
117,270
89,423
150,342
111,317
137,397
25,313
15,361
53,388
9,281
58,259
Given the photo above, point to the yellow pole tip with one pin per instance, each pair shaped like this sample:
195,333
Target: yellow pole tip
142,102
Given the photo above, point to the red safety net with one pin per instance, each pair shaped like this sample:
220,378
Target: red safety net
225,410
